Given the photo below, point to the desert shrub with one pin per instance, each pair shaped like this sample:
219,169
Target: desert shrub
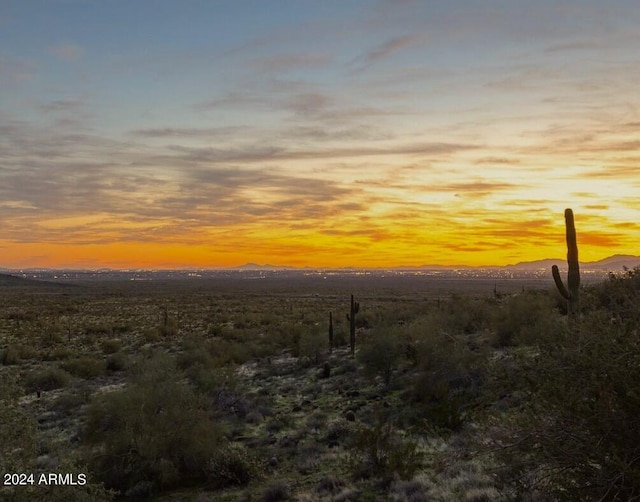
242,323
619,296
525,318
311,344
111,345
193,342
46,379
380,353
578,437
85,367
17,430
9,355
169,329
268,319
337,432
233,466
157,429
381,452
195,357
214,329
330,484
275,492
97,330
340,337
18,453
68,403
415,491
51,337
117,362
466,315
286,334
448,379
229,351
221,388
346,366
60,354
120,329
26,351
151,335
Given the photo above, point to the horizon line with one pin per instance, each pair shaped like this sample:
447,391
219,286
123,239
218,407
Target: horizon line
267,266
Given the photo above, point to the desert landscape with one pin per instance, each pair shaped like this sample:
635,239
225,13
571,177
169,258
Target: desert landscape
233,389
319,251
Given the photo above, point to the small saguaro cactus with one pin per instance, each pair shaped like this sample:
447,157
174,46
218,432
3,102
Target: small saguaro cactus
355,308
571,293
330,332
165,316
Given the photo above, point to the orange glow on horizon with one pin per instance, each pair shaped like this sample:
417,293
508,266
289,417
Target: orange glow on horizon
492,244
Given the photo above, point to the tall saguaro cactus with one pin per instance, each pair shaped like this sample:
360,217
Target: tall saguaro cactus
330,332
355,308
572,292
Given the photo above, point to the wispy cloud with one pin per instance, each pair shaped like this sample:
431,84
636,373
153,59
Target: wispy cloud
384,50
580,45
259,153
285,62
14,71
70,105
66,52
190,132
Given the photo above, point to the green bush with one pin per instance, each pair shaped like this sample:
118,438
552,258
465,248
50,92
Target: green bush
111,346
169,329
152,335
311,345
214,383
97,330
448,380
229,351
197,356
60,353
619,296
117,362
26,351
9,355
46,379
382,452
466,315
233,466
156,429
18,431
277,491
380,353
85,367
68,403
524,319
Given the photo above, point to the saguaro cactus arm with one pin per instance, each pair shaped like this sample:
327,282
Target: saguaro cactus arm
555,272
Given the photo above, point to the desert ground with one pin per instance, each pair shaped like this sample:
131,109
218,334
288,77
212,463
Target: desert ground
458,389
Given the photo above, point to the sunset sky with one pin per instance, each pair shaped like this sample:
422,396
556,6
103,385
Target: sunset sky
205,133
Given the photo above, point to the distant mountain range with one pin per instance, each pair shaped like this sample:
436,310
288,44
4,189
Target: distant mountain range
613,263
7,280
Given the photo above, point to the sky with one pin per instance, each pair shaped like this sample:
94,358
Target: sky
333,133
